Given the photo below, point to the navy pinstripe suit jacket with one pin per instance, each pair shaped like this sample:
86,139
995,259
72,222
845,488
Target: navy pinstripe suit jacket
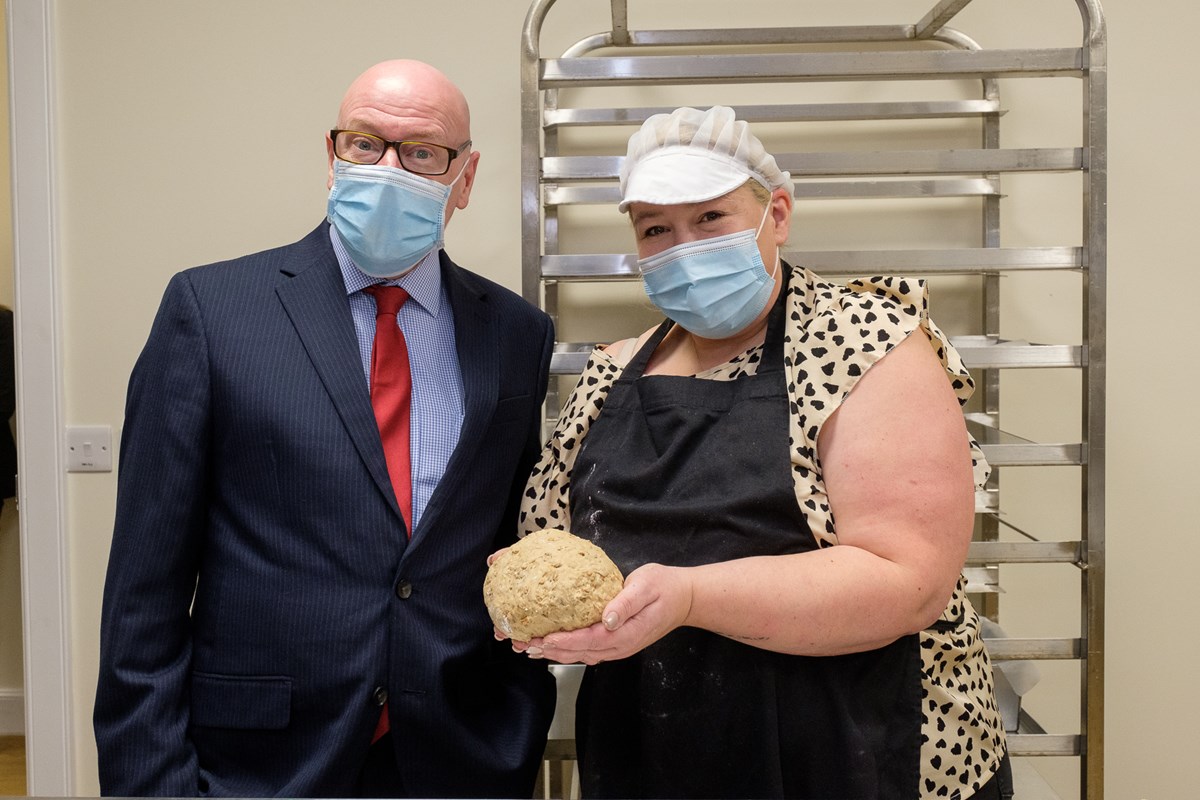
261,589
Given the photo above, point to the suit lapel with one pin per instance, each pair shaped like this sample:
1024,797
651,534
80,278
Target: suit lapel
479,363
314,297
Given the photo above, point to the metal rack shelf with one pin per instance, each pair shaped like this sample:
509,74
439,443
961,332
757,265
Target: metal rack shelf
978,352
796,79
835,263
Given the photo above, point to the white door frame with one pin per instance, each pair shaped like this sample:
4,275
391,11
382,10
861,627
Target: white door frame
49,732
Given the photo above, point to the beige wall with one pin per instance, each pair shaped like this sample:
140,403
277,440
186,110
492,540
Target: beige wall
151,98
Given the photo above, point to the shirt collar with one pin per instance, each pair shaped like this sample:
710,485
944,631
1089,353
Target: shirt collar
423,282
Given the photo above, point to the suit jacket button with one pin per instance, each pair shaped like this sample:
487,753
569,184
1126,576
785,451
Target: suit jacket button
380,696
404,590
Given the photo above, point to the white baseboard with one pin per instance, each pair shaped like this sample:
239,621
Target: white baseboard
12,712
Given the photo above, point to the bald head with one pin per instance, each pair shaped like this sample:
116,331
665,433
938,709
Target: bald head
409,94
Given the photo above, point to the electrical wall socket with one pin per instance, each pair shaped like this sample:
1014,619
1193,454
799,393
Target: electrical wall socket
89,448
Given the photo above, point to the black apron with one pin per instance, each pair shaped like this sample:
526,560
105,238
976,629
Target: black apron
685,471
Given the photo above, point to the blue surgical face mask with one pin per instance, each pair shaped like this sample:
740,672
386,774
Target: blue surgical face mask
388,218
712,287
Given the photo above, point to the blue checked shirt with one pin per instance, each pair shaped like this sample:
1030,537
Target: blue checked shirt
428,325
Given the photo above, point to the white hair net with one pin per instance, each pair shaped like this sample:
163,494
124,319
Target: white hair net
689,156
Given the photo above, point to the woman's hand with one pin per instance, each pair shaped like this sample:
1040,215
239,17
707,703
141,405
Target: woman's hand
654,601
492,558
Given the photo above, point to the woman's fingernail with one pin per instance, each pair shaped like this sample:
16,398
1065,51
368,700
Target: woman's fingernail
611,620
533,652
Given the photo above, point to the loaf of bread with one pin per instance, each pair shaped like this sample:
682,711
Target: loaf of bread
549,581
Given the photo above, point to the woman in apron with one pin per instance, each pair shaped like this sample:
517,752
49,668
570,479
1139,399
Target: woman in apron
758,649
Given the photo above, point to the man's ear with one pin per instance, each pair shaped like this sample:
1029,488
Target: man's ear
467,182
329,150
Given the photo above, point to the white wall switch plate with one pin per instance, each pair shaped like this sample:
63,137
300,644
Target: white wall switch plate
89,448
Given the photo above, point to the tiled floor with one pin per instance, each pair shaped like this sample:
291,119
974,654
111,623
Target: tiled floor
12,766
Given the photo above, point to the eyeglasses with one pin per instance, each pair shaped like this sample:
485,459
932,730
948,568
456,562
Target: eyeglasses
421,158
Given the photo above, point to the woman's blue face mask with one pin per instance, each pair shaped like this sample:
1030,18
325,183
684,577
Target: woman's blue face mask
712,287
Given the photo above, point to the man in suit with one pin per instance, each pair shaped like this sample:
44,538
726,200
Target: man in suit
280,617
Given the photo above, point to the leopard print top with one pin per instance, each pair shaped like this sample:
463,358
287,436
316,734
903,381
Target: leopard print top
834,334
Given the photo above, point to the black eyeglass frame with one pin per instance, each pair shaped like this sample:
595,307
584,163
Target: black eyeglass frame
454,152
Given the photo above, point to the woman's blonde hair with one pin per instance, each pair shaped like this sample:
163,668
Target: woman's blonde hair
761,193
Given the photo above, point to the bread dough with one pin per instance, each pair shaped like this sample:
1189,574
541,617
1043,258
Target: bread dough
549,581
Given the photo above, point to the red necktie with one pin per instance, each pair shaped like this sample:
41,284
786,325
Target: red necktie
391,393
391,398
